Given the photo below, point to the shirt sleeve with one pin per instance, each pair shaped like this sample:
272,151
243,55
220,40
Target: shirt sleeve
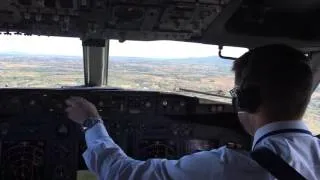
107,160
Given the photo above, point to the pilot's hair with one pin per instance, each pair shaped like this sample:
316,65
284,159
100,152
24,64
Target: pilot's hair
283,76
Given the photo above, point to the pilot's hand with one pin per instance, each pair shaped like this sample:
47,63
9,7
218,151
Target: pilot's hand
80,109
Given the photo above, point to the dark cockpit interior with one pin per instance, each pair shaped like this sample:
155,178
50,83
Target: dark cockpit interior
37,141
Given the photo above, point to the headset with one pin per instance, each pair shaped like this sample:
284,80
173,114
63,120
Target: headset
247,100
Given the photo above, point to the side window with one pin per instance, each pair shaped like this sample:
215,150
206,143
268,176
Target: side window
312,114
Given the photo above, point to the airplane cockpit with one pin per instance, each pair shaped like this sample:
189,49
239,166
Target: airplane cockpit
159,72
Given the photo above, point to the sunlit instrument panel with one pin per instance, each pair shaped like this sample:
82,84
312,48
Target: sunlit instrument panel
38,141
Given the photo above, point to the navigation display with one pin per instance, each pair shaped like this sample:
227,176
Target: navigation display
22,160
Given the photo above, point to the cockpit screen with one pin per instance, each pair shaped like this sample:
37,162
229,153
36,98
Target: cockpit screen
23,160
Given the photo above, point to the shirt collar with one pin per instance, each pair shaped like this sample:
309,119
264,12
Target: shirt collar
296,124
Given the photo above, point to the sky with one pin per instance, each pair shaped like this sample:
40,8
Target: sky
72,47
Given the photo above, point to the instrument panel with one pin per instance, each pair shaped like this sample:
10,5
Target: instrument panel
37,140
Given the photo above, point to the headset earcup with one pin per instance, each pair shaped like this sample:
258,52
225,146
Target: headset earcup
249,99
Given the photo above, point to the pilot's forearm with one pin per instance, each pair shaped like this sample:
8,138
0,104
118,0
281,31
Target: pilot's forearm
102,153
108,161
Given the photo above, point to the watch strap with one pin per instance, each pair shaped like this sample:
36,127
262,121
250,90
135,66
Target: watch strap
90,122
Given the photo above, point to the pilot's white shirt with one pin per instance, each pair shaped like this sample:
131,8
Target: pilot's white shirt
300,150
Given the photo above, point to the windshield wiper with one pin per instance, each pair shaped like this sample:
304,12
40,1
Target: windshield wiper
204,93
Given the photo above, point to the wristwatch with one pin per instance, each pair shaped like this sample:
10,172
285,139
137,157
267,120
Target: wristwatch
90,122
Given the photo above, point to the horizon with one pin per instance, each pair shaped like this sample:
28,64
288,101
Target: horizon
80,56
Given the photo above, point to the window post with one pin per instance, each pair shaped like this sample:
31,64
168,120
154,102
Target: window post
95,58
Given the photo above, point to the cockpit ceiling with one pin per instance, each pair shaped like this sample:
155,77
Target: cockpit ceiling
245,23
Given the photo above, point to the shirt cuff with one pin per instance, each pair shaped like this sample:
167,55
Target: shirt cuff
97,132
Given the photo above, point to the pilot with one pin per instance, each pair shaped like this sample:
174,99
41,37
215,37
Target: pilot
273,85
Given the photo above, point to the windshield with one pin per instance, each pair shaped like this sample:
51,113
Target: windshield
185,68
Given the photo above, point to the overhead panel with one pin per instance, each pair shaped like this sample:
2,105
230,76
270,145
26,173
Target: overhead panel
112,19
277,19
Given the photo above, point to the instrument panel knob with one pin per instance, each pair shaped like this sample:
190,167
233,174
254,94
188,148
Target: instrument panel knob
38,17
55,18
32,102
4,129
164,102
182,103
148,104
60,172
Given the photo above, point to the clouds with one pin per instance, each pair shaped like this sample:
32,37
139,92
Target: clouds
73,47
